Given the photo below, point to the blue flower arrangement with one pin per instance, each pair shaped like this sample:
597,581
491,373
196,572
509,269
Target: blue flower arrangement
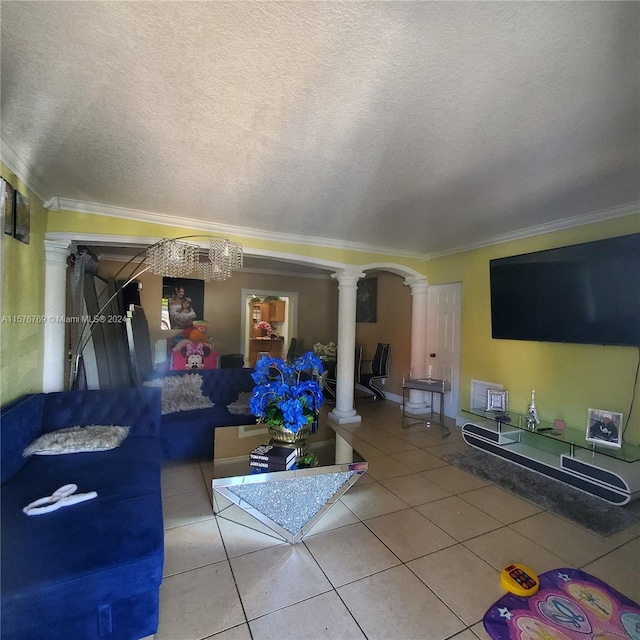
280,397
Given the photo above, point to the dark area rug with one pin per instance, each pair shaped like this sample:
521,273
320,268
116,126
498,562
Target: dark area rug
585,510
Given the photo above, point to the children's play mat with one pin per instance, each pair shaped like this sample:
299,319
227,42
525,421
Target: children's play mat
570,605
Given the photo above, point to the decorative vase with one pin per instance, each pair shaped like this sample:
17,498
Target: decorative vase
282,436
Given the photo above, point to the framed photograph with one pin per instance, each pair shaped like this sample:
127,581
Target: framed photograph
604,427
497,400
367,300
182,302
23,218
7,199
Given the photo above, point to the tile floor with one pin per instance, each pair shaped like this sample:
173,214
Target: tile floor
413,550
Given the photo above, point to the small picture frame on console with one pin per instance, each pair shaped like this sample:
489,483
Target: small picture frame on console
604,427
497,400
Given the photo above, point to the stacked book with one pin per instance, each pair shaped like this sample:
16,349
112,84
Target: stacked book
269,457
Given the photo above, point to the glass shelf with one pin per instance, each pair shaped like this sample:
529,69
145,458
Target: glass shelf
573,438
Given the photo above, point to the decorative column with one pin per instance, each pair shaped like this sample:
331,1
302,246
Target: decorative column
55,292
344,411
419,306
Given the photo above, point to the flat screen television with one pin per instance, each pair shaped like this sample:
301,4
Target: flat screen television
585,293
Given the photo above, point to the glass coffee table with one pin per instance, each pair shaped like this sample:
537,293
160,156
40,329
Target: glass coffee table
287,502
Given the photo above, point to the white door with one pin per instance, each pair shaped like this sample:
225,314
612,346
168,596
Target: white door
443,341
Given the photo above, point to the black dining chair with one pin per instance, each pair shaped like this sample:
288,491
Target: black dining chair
379,365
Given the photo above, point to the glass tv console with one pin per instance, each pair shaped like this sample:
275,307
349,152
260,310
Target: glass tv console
606,472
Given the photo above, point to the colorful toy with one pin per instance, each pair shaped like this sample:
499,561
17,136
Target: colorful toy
518,579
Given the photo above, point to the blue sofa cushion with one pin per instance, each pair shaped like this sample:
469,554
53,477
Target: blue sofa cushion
73,559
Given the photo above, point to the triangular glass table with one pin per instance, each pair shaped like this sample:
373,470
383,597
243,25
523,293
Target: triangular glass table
288,503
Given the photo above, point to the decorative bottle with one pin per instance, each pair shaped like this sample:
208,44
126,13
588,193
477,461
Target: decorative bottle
532,418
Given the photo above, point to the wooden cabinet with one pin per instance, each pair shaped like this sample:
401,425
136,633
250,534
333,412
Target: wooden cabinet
276,311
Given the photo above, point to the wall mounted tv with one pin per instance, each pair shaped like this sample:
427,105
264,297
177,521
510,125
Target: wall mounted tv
585,293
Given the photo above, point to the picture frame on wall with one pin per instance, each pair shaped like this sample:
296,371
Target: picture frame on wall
22,212
604,427
497,400
7,207
182,302
367,300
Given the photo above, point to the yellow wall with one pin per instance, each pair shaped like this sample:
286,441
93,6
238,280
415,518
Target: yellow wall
22,295
568,378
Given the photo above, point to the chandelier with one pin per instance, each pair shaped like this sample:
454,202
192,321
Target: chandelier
175,258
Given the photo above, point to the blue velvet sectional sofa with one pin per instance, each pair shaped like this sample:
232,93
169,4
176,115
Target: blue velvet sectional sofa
189,434
90,570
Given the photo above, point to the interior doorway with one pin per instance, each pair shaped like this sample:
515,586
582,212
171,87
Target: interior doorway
444,341
285,329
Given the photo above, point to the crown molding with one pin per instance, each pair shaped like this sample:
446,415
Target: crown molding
228,230
541,229
21,170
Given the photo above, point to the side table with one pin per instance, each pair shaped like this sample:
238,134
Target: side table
430,385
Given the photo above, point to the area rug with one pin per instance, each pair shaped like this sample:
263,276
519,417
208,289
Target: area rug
570,605
585,510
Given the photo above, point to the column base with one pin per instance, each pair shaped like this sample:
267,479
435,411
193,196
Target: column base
416,408
344,417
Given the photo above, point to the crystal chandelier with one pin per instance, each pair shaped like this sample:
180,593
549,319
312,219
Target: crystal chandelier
175,258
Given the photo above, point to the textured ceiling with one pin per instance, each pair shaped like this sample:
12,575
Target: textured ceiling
416,126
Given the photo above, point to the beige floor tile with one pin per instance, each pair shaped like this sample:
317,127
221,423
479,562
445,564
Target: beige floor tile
620,569
371,500
409,534
370,434
455,480
175,465
337,516
366,450
419,460
414,489
467,634
241,632
458,518
183,480
186,508
421,438
500,504
192,546
199,603
277,577
240,539
480,632
393,444
567,540
383,467
395,604
323,616
462,580
350,553
505,546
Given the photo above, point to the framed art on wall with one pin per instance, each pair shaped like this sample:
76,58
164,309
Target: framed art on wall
367,300
604,427
8,206
23,218
182,302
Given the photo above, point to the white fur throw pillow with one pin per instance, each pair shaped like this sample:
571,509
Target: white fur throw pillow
77,440
181,393
241,405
